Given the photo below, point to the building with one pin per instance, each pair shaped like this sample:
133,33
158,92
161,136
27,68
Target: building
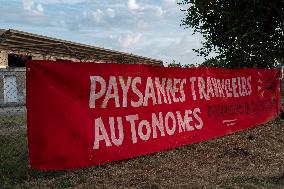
16,47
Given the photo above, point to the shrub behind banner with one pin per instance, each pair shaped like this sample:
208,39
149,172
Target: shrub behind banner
82,114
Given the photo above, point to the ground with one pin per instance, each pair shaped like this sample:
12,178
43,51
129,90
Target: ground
250,159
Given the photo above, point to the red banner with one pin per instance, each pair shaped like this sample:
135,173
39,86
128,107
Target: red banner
82,114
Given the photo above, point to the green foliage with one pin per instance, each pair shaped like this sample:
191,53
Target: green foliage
244,33
179,65
216,63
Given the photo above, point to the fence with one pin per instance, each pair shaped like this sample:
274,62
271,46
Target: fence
12,96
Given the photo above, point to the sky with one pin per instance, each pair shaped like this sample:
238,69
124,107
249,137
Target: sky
148,28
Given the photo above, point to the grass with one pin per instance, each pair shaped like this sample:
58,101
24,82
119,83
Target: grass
14,170
12,120
13,156
250,159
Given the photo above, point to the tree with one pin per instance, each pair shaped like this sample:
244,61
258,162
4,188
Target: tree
214,62
244,33
178,64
